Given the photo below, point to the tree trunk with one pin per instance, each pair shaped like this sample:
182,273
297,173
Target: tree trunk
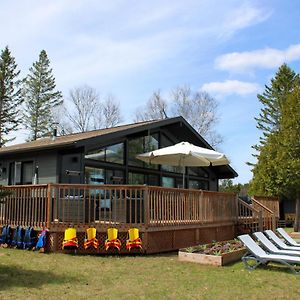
297,217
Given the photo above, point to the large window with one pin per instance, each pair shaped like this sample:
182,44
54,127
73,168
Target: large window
196,171
135,147
114,176
140,179
166,142
113,154
20,172
27,172
103,176
136,178
168,182
11,174
94,175
141,145
198,184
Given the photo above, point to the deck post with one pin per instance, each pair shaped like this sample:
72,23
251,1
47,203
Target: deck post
273,222
260,221
237,208
146,205
48,205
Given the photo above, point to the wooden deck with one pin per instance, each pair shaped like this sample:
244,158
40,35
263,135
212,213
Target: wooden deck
167,218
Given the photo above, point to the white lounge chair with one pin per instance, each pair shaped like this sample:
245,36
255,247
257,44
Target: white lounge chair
286,236
259,256
278,242
271,248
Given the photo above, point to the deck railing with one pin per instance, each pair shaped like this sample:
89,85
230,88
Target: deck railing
272,203
268,216
63,204
249,217
182,207
26,205
106,204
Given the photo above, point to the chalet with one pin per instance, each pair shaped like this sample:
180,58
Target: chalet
93,179
108,156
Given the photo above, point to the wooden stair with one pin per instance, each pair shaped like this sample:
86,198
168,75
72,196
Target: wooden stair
254,217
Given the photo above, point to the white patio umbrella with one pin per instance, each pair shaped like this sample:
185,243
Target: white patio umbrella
184,155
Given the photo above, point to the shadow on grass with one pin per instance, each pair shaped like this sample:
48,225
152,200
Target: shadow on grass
11,277
278,268
270,267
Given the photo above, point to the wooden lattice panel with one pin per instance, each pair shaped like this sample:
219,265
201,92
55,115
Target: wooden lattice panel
55,241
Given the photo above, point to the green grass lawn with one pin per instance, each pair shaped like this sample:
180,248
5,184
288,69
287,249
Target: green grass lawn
31,275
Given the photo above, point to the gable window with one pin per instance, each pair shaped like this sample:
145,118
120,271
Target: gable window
113,153
166,142
141,145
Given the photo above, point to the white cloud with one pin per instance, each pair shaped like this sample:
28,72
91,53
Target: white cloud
264,58
231,87
242,17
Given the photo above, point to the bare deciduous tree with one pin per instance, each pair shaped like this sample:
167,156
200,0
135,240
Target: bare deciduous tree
111,112
156,108
61,121
198,108
84,102
87,111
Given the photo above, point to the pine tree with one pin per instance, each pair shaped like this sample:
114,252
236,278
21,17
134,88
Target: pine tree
287,163
9,96
277,172
264,171
40,98
272,100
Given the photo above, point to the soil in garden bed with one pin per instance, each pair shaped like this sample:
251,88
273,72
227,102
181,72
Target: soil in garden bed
217,248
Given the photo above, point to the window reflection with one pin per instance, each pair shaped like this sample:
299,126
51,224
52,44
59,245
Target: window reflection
198,184
166,142
196,171
168,182
94,175
141,145
113,153
140,179
136,178
135,147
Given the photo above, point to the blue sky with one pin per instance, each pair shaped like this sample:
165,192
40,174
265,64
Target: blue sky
229,48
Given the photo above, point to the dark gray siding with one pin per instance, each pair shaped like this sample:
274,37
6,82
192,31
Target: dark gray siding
71,168
47,168
45,162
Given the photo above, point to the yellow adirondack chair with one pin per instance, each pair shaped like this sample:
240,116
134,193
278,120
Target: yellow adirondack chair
70,239
133,240
90,240
112,240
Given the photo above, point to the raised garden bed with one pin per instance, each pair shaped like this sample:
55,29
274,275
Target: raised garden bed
216,254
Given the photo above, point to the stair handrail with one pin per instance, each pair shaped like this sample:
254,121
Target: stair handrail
255,212
268,210
241,201
262,206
